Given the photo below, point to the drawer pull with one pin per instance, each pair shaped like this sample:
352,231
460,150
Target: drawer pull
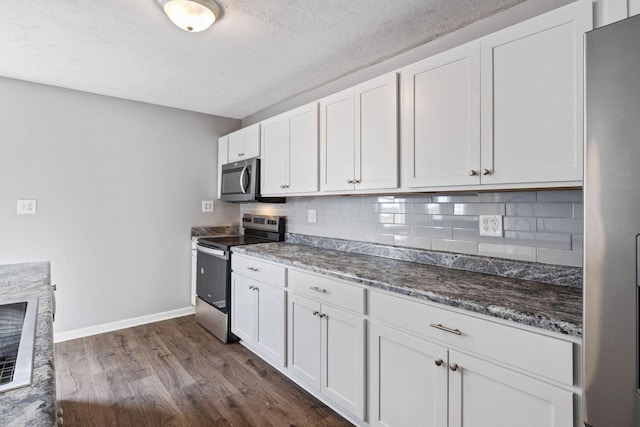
438,362
453,367
317,289
444,328
253,269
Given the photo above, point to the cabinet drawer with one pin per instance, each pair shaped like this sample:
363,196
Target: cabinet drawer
328,290
542,355
262,271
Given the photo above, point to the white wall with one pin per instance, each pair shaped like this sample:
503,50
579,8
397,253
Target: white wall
118,185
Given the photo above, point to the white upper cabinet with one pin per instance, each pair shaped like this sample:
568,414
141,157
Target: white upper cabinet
532,98
223,158
359,137
290,152
244,143
337,141
441,118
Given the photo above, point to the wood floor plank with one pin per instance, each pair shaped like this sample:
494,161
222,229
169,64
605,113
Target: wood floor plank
175,373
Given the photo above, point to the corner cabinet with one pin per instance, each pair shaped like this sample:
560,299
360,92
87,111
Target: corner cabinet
290,152
244,143
326,338
532,98
359,137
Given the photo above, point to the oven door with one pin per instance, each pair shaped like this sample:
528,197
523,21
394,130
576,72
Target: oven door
213,279
238,181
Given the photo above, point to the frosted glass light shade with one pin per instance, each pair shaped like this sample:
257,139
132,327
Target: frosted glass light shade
191,15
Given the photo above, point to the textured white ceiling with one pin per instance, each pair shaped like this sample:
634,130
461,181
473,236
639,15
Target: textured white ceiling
260,53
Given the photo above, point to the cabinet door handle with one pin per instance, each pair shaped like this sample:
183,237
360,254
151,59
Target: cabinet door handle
454,367
315,313
240,154
356,181
253,269
317,289
486,172
473,173
349,181
438,362
323,315
444,328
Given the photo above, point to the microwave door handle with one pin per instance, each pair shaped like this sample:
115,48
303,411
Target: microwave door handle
242,187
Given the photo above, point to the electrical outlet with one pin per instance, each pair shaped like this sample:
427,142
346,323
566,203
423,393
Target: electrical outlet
311,215
207,206
26,207
491,225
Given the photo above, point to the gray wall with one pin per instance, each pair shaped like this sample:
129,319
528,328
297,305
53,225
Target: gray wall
540,226
118,185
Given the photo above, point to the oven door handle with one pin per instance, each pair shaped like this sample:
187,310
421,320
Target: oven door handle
242,174
213,252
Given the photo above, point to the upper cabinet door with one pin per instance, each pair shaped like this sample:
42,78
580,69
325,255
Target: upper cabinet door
337,142
303,150
532,98
244,143
275,155
223,158
441,119
376,133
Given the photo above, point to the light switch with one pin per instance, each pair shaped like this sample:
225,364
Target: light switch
27,207
207,206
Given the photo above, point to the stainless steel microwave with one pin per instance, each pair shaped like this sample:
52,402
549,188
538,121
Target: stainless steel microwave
240,182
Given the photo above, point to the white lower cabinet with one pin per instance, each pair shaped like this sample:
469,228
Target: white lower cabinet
428,372
408,379
258,317
483,394
327,351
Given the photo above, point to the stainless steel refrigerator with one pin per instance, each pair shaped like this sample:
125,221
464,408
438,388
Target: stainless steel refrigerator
612,225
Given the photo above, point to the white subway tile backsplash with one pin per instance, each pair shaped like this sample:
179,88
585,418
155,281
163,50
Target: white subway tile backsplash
561,225
578,210
538,240
435,232
555,256
522,253
433,208
544,226
478,209
516,223
553,210
474,236
508,196
412,242
458,246
560,196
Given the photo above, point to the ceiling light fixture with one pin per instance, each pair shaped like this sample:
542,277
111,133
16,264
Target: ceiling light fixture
191,15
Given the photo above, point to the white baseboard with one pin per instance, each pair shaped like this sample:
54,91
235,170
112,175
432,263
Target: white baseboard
122,324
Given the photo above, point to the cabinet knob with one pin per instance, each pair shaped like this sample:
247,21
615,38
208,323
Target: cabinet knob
486,172
473,173
438,362
454,366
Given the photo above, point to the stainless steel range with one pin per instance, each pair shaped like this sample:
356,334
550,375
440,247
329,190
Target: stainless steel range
213,282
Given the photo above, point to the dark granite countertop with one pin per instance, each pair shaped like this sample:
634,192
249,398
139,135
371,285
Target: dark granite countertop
33,405
551,307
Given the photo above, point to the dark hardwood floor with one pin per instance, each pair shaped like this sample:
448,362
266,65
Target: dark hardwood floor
174,373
